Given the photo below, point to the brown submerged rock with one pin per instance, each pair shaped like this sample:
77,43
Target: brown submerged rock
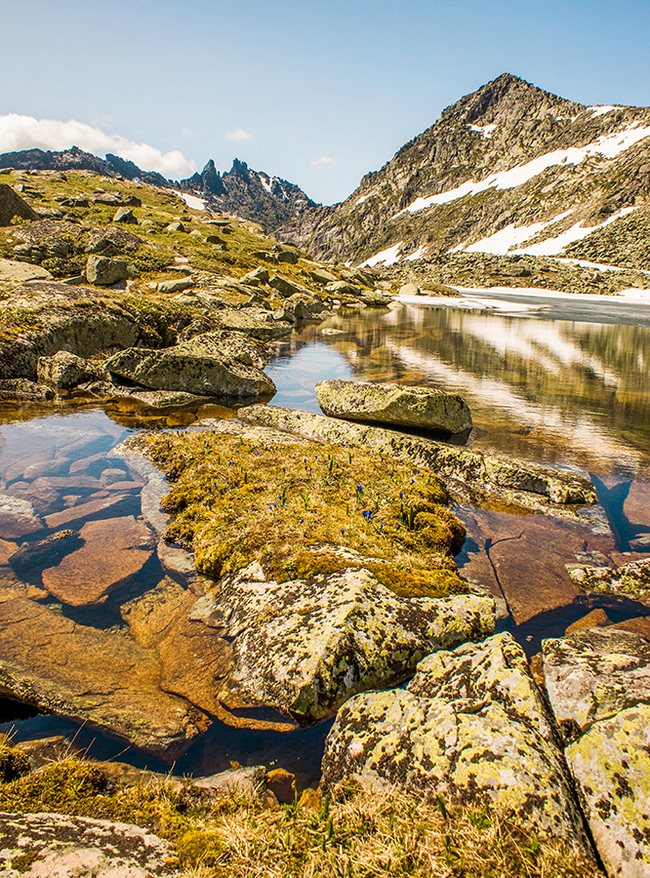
114,551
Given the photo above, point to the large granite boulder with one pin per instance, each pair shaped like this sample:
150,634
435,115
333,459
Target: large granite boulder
595,673
306,646
200,367
472,727
598,683
421,407
611,766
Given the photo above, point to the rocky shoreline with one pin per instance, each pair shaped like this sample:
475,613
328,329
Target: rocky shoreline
323,583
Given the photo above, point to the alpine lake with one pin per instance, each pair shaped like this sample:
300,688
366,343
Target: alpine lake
563,381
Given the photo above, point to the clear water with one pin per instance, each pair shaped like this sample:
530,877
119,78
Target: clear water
564,391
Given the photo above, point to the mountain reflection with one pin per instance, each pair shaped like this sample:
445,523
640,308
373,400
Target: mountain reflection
551,390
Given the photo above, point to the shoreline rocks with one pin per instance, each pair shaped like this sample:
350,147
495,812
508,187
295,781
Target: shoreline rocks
471,726
473,477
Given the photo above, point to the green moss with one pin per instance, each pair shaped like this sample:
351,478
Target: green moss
291,506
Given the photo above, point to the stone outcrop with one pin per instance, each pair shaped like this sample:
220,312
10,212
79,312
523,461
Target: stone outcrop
471,726
420,407
471,476
306,646
54,846
611,766
629,580
595,673
598,683
191,368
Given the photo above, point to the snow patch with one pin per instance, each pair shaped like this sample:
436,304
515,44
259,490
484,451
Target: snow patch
485,130
601,110
360,200
420,253
608,145
191,200
553,246
389,256
511,236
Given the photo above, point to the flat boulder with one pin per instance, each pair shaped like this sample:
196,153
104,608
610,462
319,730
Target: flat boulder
22,271
471,726
58,846
422,408
190,368
630,580
303,647
114,551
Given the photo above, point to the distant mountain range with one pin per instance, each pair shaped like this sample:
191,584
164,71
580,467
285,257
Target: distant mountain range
509,170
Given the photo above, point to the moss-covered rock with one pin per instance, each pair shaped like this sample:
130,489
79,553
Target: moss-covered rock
629,580
611,766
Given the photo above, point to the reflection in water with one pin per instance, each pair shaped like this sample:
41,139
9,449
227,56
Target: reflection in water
553,391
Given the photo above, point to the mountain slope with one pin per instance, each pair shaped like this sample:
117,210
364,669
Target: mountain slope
510,163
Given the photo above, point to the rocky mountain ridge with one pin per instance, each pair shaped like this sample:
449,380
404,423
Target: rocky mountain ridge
508,168
241,192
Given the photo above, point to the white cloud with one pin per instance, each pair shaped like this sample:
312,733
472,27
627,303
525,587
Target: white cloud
25,132
239,135
325,161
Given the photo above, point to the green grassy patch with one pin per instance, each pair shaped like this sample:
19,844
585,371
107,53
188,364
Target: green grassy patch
291,506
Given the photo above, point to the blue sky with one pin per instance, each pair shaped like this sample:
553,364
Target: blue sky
317,93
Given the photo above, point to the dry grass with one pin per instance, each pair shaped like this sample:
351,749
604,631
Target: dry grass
290,506
357,833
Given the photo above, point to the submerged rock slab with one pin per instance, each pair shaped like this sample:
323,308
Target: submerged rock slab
611,766
470,726
306,646
420,407
53,663
473,475
595,673
115,550
59,846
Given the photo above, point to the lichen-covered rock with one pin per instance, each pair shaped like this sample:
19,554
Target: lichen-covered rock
66,370
629,580
286,287
306,646
611,766
24,389
421,407
185,368
593,674
471,726
103,271
54,846
254,322
522,484
11,205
